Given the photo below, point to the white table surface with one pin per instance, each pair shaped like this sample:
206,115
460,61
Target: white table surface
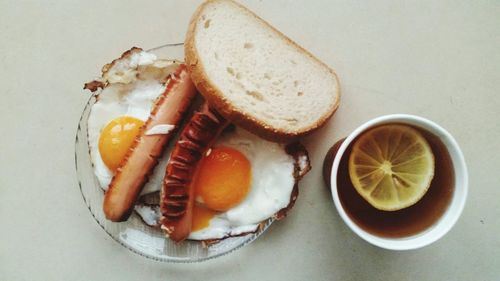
437,59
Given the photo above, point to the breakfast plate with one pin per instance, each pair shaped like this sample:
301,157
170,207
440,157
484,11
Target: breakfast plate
188,161
134,234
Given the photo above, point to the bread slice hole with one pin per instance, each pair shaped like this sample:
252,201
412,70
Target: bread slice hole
207,24
299,94
256,95
267,76
248,45
239,75
291,121
230,70
277,82
295,83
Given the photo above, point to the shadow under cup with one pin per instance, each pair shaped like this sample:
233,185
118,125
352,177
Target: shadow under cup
420,224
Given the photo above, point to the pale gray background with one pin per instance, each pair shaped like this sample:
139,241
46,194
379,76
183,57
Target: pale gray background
437,59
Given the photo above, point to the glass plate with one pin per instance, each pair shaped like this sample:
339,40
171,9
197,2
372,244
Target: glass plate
134,234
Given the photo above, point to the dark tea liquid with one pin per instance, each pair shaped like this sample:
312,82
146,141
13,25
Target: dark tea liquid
408,221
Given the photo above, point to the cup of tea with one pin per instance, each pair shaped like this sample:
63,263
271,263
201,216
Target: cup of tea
379,216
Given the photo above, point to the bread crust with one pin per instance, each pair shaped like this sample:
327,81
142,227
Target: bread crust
215,96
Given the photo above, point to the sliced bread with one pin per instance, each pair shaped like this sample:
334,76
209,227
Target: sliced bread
255,76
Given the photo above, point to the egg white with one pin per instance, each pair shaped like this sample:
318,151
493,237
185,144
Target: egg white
134,84
272,182
220,227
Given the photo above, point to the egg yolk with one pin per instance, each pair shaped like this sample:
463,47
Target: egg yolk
223,179
201,217
116,139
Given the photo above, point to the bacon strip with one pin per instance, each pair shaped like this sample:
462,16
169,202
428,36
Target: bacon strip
142,157
177,194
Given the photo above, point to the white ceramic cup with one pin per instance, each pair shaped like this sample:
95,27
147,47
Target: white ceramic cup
451,215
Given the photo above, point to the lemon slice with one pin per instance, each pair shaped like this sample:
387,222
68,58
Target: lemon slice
391,166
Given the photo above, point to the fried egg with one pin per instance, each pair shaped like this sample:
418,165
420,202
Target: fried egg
132,85
242,181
